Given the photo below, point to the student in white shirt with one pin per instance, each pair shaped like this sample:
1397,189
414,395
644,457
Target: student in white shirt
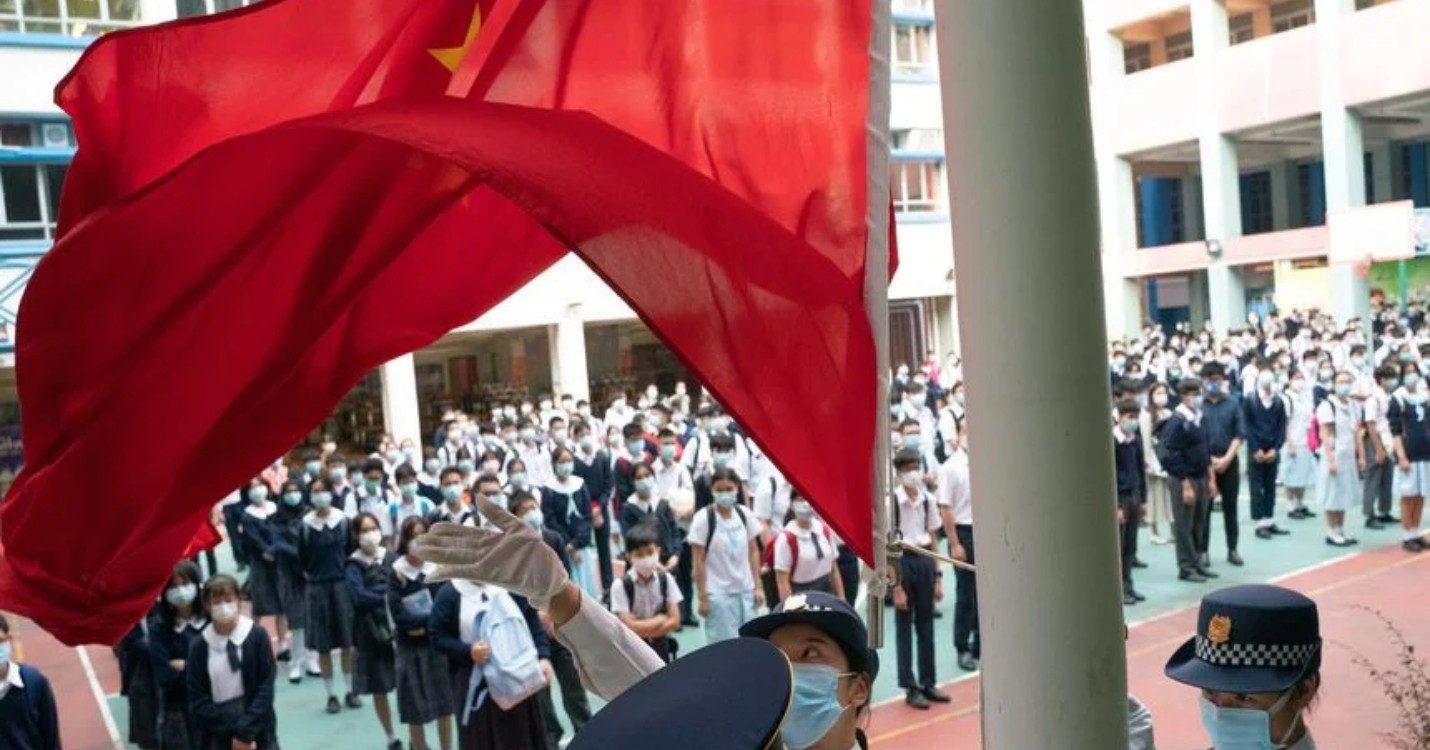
773,498
374,496
805,551
726,559
673,482
921,585
647,598
1343,456
955,504
230,671
1380,458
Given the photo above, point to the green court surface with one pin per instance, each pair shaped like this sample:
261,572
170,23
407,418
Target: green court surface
303,724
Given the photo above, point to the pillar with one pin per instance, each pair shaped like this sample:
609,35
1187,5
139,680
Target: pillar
1383,169
401,415
1221,181
1281,194
1192,228
1343,146
1116,188
569,372
1014,92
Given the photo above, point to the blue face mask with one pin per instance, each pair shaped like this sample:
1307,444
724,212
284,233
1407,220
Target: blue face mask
1243,728
814,708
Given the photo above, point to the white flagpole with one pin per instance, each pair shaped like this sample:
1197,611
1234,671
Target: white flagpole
876,302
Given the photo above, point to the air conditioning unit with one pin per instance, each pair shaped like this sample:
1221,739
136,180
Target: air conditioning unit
55,135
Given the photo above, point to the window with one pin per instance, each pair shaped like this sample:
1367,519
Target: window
917,185
1241,28
913,50
1136,57
36,134
917,139
29,198
1177,218
190,8
1292,14
71,17
1256,203
923,7
1179,46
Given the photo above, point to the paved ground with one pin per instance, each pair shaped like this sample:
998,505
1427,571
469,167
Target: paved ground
1377,575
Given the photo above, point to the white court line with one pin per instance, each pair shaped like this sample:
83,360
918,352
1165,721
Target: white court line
1156,618
100,698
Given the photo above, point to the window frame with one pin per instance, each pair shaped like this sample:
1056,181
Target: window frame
1136,57
1290,15
66,23
46,226
1179,46
926,68
930,175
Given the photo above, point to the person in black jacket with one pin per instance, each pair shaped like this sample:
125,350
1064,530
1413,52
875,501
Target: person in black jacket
1187,461
139,668
424,694
596,468
1266,418
175,630
374,666
232,700
1131,465
28,719
1225,428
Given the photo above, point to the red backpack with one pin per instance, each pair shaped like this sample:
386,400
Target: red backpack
793,541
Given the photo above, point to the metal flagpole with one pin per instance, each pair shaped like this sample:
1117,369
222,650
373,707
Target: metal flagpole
876,302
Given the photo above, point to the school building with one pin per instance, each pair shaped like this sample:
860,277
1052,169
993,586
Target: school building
566,331
1253,153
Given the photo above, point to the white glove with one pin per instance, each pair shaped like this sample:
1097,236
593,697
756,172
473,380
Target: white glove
512,556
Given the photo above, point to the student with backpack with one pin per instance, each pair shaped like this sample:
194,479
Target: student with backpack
803,554
1410,430
646,598
726,557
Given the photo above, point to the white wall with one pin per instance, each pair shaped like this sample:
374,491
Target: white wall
28,76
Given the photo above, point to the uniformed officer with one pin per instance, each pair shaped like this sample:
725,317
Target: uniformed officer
1257,659
822,638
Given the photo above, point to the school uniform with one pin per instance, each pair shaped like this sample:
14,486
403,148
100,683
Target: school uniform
634,512
1379,483
1131,466
231,507
597,471
447,453
538,463
259,538
807,555
1265,421
1223,422
424,693
374,668
916,517
139,683
1159,495
1410,424
398,512
645,597
286,525
28,719
954,493
451,626
1340,491
563,664
1298,465
1186,458
230,682
379,504
445,513
729,581
566,508
324,545
178,727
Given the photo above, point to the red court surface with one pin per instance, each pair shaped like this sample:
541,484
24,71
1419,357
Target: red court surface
1351,713
1352,710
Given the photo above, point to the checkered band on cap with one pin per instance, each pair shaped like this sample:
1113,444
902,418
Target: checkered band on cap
1275,656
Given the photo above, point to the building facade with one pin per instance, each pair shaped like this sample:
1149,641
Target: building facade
565,332
1256,153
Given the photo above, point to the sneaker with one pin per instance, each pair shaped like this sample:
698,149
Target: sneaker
915,699
1159,540
295,675
333,705
353,701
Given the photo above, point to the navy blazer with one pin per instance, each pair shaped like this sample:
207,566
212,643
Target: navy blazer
28,719
445,630
258,722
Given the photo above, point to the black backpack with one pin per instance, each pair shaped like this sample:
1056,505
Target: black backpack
710,535
629,585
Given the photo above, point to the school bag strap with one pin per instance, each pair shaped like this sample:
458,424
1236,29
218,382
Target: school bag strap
629,585
714,519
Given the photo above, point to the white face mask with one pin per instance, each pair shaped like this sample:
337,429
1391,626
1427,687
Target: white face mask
224,612
369,540
909,479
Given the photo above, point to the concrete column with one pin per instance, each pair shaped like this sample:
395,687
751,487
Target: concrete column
1281,195
1116,189
1192,209
1382,172
1221,186
569,373
1014,97
401,415
1197,299
1344,149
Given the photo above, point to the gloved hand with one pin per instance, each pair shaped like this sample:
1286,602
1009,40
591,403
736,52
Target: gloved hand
512,556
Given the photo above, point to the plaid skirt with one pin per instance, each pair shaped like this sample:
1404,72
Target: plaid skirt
424,691
292,590
263,588
373,671
330,616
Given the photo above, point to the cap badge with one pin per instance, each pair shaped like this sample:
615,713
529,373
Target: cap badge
1219,630
795,603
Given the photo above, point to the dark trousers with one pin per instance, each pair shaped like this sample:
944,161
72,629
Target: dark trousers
603,553
1375,500
848,566
966,637
212,559
232,515
1131,506
1262,478
1189,522
686,583
918,575
1228,484
573,697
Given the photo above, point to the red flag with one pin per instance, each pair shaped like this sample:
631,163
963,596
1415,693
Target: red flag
240,272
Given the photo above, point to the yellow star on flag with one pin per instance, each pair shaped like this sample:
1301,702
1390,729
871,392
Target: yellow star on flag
452,57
